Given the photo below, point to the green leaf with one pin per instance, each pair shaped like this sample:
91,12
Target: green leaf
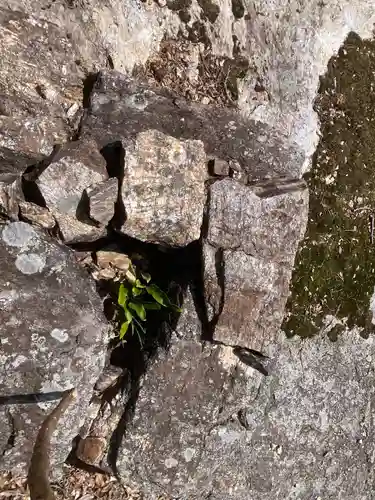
139,284
124,329
128,315
160,296
123,295
136,291
146,277
139,309
175,308
154,306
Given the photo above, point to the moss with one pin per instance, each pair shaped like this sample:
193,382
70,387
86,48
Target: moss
335,265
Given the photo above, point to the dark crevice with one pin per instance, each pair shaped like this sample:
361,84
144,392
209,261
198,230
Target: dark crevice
88,85
12,436
114,155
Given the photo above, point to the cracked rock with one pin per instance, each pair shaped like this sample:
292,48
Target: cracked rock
73,169
36,215
52,337
252,238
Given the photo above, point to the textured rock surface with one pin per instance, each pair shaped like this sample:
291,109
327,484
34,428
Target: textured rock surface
34,214
218,429
52,335
121,107
163,190
73,169
101,199
252,238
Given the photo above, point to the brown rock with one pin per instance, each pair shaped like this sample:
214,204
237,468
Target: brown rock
34,214
90,449
101,199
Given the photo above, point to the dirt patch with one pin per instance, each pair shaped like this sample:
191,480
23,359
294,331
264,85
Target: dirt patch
190,70
335,266
74,485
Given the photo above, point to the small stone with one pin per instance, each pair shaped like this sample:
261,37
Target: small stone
162,3
219,167
108,377
34,214
91,449
107,258
102,198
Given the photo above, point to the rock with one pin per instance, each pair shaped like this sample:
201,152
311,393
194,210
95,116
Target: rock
217,429
163,189
101,199
72,169
53,337
34,214
10,195
252,237
110,258
218,167
121,108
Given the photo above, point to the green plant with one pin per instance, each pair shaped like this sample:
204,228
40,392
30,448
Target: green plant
137,295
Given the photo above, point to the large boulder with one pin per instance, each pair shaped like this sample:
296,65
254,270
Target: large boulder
53,337
206,425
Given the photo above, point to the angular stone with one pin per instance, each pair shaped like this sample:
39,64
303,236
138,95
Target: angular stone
10,195
53,337
163,189
121,108
252,237
102,198
73,169
36,215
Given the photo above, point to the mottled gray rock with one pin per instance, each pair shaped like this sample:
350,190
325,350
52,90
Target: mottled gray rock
252,237
121,108
216,429
34,214
163,189
73,169
101,199
52,337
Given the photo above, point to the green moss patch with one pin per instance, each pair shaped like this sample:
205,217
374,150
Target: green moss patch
335,266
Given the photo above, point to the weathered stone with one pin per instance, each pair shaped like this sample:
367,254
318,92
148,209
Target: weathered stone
73,169
91,449
163,189
121,108
10,195
34,214
101,199
110,258
252,237
53,337
218,167
217,429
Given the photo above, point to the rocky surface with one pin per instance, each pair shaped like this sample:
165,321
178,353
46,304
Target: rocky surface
74,168
163,189
249,249
218,429
53,337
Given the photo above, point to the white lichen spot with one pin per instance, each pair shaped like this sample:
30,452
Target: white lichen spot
60,335
7,297
20,359
170,462
189,454
18,234
30,263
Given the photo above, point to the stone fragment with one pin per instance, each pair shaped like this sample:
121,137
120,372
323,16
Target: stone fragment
109,258
91,449
101,199
163,190
73,169
10,195
252,237
53,337
36,215
218,167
